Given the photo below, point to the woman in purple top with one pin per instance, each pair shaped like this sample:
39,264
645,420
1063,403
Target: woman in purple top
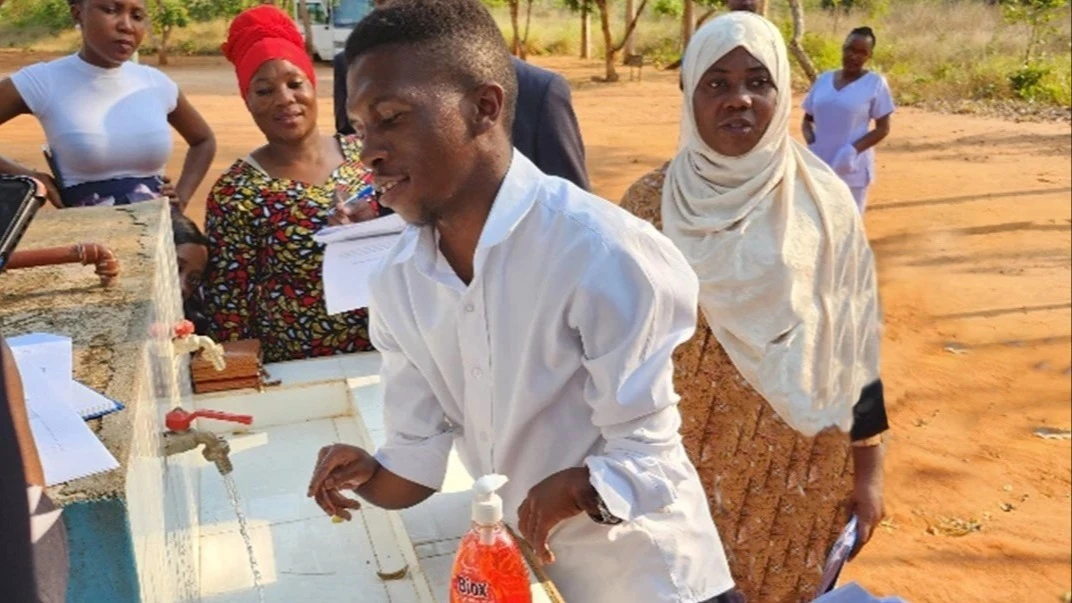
838,112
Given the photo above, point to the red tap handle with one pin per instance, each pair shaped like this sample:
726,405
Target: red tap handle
183,328
178,419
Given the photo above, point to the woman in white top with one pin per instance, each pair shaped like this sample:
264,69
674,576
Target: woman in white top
108,120
839,110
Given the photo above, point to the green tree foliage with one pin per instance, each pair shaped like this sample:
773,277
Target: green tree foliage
167,16
1038,15
203,11
54,15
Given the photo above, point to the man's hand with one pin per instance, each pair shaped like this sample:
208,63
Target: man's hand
552,501
866,502
340,467
350,213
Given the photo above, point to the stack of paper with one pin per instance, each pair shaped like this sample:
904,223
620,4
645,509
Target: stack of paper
56,405
353,253
52,356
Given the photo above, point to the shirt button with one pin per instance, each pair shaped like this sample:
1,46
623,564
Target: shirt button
477,373
484,437
469,307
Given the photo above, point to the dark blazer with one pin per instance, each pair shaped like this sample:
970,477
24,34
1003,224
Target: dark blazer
545,127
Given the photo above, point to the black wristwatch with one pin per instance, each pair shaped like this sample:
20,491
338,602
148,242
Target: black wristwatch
603,515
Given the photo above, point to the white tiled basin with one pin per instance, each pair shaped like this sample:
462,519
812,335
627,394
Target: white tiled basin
301,554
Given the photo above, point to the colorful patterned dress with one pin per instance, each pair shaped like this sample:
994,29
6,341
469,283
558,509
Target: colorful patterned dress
264,277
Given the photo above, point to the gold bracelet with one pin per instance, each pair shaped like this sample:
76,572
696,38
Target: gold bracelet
871,442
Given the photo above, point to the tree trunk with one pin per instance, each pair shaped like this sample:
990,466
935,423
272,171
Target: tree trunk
528,27
162,50
307,25
688,24
704,17
630,14
630,26
794,44
586,29
515,47
608,41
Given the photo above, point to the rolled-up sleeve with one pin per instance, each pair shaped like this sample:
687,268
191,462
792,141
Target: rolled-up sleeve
635,306
419,435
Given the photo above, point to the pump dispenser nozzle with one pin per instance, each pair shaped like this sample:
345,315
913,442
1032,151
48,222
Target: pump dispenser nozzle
487,505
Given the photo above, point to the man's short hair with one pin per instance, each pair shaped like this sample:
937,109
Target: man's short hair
460,34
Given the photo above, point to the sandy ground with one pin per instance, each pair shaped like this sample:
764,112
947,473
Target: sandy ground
970,221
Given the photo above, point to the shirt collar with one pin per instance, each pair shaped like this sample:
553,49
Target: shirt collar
512,203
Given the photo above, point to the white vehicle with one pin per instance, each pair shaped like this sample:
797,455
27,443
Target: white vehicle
332,21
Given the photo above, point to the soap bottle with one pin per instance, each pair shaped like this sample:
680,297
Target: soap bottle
489,566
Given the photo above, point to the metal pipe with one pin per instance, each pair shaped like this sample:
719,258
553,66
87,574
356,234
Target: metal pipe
107,265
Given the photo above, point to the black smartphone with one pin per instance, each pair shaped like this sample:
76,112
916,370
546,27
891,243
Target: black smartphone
19,201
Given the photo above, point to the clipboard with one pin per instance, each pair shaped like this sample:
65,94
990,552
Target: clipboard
54,168
839,555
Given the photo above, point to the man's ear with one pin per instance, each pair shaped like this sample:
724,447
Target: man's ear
487,101
76,12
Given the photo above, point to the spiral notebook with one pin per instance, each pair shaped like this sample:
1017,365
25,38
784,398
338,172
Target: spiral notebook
89,403
52,356
68,448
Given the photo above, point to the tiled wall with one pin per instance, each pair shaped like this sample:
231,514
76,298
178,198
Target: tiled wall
163,494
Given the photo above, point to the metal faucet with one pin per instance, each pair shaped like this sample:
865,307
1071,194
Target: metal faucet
180,438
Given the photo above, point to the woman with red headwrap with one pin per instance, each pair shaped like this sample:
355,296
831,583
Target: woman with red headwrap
264,275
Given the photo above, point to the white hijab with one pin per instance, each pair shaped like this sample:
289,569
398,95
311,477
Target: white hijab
787,280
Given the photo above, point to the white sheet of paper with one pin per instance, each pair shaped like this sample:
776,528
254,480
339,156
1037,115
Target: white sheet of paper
89,403
68,448
389,224
45,354
53,357
347,267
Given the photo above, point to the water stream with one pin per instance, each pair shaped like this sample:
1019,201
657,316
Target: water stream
243,528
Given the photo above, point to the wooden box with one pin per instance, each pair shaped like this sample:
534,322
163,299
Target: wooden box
244,368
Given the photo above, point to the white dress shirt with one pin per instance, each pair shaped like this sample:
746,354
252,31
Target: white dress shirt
556,355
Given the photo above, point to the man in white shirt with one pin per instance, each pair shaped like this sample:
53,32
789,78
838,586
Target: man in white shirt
523,321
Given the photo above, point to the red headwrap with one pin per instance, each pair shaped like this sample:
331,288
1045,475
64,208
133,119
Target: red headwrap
261,34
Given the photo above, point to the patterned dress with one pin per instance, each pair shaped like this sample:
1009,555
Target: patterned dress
264,277
775,495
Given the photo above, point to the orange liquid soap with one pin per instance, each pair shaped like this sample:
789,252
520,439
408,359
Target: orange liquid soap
489,572
489,567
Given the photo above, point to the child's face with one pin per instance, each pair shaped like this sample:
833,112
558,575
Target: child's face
192,259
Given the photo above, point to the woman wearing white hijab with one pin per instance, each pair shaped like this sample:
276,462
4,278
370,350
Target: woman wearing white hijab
791,358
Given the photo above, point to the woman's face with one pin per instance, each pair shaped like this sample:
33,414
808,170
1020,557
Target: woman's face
112,30
192,259
734,103
282,101
855,53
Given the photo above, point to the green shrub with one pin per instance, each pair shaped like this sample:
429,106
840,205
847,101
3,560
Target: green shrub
668,8
1042,82
825,52
53,15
